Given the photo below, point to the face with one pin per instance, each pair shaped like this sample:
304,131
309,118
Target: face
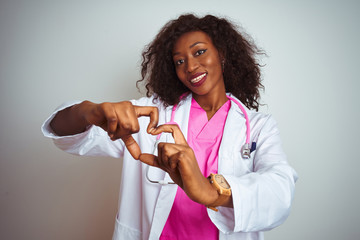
198,64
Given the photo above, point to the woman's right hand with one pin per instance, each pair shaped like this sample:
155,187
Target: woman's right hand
119,120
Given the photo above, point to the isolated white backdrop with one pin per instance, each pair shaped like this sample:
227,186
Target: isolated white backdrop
54,51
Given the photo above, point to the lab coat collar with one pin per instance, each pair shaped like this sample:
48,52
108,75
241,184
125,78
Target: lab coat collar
183,112
236,107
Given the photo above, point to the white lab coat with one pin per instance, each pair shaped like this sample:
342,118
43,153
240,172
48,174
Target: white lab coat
262,186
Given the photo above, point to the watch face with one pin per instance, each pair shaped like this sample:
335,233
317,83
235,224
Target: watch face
221,181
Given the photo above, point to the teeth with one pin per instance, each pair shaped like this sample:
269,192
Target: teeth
195,80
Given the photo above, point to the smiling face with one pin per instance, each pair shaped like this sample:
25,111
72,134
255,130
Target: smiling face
198,64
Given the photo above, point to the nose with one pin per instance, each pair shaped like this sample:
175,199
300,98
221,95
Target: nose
192,64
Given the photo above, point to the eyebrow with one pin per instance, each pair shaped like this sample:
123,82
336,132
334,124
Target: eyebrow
191,46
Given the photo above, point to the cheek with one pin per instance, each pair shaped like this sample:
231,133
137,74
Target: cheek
181,76
214,63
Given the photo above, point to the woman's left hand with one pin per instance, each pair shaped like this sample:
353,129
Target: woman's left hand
179,161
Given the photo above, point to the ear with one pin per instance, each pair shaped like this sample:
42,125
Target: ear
222,60
222,56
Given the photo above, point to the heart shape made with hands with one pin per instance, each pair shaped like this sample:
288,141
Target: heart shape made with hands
177,159
173,158
133,146
180,142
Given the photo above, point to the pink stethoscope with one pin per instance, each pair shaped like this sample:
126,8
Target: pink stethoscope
246,149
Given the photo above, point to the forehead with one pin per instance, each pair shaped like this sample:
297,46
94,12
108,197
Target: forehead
187,40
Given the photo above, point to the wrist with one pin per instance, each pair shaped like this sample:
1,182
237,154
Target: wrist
81,110
211,194
206,194
223,189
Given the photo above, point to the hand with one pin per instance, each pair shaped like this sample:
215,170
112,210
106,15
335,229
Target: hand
179,161
119,120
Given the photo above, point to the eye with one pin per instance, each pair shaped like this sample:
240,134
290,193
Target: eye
199,52
179,62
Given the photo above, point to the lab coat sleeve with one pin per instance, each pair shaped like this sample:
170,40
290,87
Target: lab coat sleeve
93,142
262,198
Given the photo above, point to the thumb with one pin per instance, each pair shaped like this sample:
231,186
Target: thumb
149,159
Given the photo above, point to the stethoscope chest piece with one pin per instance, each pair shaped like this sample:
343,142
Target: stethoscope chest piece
247,150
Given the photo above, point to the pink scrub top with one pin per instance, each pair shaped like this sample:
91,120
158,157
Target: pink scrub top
188,219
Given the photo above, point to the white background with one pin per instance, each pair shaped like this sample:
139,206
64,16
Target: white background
54,51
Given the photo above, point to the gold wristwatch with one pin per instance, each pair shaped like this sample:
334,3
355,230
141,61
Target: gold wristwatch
222,187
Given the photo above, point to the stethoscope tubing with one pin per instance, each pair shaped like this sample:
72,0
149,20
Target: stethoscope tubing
245,152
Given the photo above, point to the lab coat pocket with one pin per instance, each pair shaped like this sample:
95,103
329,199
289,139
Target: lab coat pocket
250,161
243,165
123,232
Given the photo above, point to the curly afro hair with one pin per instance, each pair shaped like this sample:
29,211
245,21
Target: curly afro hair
242,75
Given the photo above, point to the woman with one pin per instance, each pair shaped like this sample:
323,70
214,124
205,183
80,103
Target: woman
201,79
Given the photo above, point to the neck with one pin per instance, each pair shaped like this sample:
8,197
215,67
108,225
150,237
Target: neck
211,102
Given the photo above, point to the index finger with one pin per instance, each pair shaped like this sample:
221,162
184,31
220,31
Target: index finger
151,112
174,130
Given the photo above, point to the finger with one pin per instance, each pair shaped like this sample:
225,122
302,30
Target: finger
132,146
167,153
111,118
161,154
128,125
152,112
174,130
149,159
174,160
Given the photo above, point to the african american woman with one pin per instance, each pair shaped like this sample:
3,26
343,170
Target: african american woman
199,160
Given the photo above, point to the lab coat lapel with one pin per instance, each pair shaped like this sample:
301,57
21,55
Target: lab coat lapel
232,140
168,192
182,114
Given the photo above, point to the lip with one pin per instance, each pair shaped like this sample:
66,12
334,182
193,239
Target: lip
200,81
